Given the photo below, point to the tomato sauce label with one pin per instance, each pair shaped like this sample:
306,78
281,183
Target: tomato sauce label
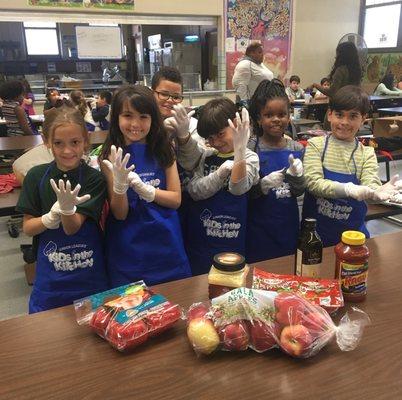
354,278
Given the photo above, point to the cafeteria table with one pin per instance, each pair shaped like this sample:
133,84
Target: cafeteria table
48,356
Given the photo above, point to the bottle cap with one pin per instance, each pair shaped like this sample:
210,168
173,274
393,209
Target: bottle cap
353,237
229,262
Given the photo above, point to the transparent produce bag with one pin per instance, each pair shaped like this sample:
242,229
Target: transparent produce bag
128,315
261,320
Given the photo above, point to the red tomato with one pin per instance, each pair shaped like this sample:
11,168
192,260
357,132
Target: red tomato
100,320
163,318
128,335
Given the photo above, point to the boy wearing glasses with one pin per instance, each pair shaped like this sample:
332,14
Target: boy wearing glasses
167,85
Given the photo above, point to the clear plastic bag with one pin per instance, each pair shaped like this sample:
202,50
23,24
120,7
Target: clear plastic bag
128,315
262,320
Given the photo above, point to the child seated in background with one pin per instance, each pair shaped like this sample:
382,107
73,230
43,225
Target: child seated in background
224,173
387,87
340,172
53,99
325,83
78,99
399,85
29,98
294,91
12,93
101,112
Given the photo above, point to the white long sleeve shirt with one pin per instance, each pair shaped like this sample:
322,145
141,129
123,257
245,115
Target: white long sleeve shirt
247,76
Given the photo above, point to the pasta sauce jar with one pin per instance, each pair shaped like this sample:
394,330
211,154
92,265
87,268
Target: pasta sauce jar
351,265
228,271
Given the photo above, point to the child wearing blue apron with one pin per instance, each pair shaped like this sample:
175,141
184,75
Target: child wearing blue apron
341,173
216,219
143,235
273,214
70,260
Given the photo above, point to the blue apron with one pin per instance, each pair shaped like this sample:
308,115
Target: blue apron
273,219
215,225
334,216
148,244
68,267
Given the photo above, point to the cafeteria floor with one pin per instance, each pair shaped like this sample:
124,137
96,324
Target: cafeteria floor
14,291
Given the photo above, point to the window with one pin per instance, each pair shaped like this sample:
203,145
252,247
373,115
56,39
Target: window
381,24
41,38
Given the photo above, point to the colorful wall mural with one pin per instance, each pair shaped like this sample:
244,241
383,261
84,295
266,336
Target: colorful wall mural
379,63
116,4
268,21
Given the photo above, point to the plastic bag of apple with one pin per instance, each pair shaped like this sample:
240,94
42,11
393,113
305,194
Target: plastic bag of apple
128,315
261,320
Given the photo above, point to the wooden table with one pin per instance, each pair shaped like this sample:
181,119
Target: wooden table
48,356
18,143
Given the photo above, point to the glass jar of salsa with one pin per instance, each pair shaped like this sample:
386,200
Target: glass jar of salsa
351,265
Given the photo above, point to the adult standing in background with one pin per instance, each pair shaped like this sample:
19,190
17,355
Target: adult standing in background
345,71
249,72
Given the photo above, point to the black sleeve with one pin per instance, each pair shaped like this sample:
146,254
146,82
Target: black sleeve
99,114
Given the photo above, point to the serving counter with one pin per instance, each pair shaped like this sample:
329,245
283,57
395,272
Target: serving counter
48,356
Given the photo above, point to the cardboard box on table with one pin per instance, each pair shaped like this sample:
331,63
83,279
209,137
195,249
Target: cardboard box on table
381,126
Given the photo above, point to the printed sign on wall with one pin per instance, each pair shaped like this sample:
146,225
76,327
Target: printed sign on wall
267,21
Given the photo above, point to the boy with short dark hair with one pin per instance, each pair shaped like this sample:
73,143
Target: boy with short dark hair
101,113
294,91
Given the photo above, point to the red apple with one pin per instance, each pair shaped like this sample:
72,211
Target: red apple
289,308
197,310
234,336
263,336
318,323
162,318
202,335
128,335
100,320
296,340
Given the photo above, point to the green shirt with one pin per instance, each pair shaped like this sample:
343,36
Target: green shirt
37,203
338,158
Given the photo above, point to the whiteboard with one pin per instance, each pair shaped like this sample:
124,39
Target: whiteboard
99,42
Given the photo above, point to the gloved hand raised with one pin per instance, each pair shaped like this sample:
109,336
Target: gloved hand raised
225,169
272,180
52,219
358,192
386,191
144,190
68,199
241,134
119,169
180,121
295,166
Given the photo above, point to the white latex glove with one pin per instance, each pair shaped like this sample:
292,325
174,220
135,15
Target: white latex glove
241,134
394,183
119,169
68,199
181,120
225,169
295,166
53,218
144,190
169,124
383,193
358,192
272,180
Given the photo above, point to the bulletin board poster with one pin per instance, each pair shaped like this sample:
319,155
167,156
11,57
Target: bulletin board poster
267,21
378,64
100,4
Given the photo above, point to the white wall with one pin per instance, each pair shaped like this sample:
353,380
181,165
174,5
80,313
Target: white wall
317,27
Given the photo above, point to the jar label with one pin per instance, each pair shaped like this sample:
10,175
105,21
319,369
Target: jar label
354,277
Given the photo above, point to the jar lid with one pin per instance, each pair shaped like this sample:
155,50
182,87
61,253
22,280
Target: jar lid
229,261
353,237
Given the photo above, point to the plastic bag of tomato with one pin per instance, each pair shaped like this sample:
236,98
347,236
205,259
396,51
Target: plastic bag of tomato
128,315
261,320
